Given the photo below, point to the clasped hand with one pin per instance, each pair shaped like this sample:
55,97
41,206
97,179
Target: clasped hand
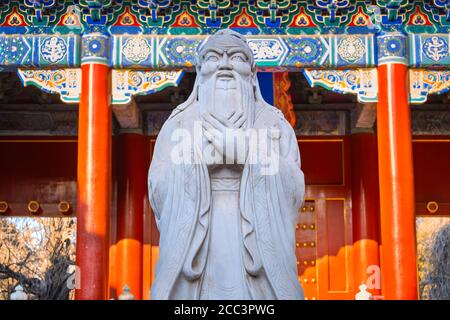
222,134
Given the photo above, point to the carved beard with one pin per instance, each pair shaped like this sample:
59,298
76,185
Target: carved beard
224,96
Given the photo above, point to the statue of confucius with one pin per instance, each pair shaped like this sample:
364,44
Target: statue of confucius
227,224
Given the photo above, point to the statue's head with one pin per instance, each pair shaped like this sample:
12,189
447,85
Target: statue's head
226,74
225,53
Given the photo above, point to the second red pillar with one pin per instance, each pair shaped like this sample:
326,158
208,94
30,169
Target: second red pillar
131,192
397,204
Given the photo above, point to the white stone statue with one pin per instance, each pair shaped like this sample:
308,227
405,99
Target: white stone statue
225,186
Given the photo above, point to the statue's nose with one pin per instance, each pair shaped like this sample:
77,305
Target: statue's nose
225,63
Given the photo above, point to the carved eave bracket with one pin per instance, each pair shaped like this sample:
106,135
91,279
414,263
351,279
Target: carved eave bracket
125,83
65,82
128,83
364,83
426,82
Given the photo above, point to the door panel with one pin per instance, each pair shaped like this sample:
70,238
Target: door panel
324,251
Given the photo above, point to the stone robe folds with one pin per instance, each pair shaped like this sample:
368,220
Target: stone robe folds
181,197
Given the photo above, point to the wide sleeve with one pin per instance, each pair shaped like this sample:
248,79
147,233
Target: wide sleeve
179,196
160,172
270,200
291,176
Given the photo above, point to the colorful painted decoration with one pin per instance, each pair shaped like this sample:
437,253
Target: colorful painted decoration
71,18
127,19
244,20
426,82
334,13
308,33
128,83
273,52
393,11
351,49
419,18
307,51
13,50
125,83
362,82
213,8
442,5
14,20
39,51
53,49
65,82
302,20
429,50
275,11
392,48
360,19
185,20
435,48
136,50
207,16
95,48
154,7
37,9
154,52
95,11
267,51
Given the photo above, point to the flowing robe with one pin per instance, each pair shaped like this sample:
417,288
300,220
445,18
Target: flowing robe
181,198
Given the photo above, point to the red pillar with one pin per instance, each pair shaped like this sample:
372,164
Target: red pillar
398,251
94,182
131,192
365,211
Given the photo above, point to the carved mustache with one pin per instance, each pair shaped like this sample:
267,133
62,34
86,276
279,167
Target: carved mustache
226,74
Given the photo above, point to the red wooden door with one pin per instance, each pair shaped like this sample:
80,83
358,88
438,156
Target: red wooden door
324,231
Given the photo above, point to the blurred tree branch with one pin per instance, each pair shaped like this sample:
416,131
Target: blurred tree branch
36,253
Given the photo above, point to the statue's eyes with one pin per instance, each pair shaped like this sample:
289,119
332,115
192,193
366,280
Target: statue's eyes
212,58
238,57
